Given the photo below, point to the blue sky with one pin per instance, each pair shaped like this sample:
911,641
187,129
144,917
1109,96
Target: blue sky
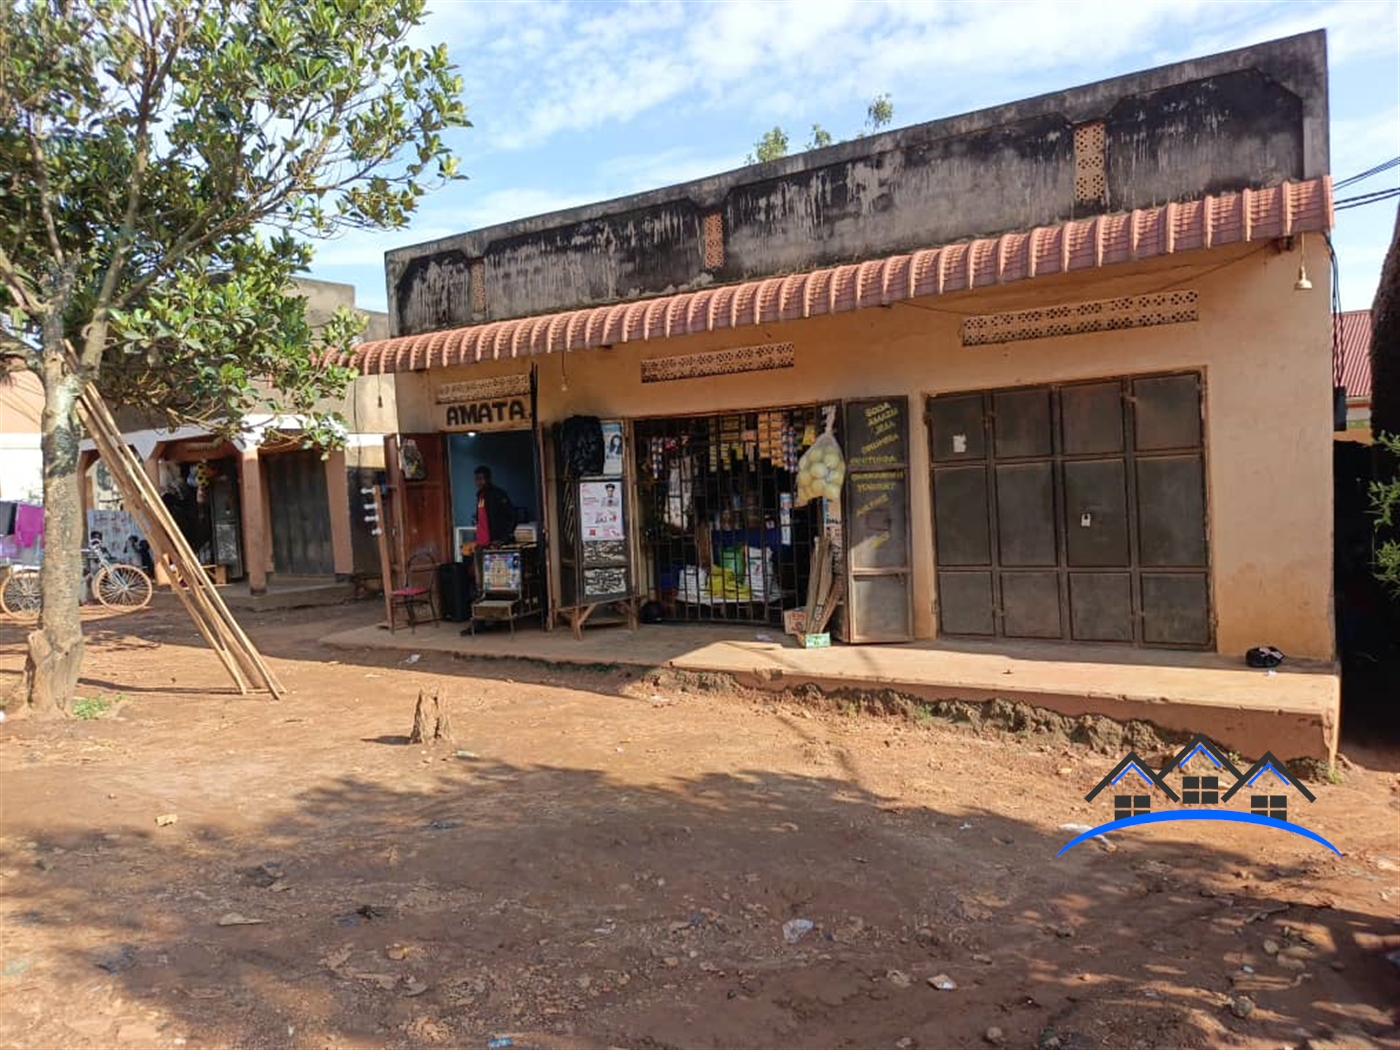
575,102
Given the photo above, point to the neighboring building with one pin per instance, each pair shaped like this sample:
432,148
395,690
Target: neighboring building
262,506
1059,342
21,462
1353,336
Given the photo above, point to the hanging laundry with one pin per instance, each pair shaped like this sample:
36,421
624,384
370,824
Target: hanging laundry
29,524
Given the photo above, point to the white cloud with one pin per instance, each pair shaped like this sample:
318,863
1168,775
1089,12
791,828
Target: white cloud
581,101
637,172
536,70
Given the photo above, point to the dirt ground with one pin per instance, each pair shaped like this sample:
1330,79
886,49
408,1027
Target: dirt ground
602,859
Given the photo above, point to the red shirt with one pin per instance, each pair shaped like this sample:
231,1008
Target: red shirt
483,525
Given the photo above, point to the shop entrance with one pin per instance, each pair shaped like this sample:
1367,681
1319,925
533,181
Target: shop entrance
300,509
721,539
506,579
510,457
1073,512
201,493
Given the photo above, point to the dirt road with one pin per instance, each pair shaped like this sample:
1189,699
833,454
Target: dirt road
603,860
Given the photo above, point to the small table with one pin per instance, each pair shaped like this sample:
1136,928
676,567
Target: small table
495,610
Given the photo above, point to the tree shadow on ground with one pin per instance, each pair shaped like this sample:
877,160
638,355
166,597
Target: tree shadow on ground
471,898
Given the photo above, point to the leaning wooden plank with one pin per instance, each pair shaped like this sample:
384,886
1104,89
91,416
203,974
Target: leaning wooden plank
833,602
116,455
200,597
204,594
160,531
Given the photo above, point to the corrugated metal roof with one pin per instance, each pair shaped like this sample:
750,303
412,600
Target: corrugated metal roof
1212,221
1355,329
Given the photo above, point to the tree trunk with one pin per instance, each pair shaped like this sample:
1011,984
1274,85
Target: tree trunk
56,649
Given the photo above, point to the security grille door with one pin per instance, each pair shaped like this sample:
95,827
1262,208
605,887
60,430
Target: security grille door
299,506
1073,512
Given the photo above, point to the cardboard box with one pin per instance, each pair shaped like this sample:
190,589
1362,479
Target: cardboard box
795,621
815,641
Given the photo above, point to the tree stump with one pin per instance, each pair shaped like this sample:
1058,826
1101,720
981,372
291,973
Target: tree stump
430,725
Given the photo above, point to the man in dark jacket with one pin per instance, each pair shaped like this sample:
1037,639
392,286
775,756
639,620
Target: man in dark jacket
495,514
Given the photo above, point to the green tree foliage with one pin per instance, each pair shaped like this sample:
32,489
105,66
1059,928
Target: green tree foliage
1385,504
161,165
879,114
771,146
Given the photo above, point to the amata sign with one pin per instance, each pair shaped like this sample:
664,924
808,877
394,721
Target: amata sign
501,414
499,403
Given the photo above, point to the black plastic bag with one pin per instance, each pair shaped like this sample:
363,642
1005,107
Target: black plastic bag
581,445
1262,656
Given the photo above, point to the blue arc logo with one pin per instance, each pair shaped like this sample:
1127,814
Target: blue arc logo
1198,814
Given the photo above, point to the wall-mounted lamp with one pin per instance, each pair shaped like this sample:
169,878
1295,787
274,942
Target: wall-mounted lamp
1302,284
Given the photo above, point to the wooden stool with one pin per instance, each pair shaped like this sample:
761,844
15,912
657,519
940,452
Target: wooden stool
218,574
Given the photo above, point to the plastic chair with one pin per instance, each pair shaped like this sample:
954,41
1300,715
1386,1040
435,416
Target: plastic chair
419,588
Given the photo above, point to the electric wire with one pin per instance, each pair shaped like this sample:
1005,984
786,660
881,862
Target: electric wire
1384,166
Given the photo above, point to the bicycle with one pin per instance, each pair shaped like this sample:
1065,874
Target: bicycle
114,584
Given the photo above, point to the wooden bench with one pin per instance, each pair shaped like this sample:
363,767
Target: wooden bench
218,574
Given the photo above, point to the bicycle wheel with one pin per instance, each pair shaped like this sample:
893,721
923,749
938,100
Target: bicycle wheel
20,595
122,587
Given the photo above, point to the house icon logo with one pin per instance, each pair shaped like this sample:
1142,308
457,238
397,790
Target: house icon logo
1199,783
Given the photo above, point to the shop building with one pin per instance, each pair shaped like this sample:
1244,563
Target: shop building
1352,335
21,461
1064,347
261,507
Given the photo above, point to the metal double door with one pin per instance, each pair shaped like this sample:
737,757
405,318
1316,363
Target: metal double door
1073,512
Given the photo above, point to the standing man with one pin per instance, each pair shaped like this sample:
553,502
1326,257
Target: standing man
495,514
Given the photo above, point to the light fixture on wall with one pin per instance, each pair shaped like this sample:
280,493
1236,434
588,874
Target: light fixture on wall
1302,284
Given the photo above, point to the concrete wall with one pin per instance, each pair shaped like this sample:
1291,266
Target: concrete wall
1249,118
21,463
1263,348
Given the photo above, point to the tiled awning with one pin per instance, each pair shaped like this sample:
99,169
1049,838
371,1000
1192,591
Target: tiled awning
1081,244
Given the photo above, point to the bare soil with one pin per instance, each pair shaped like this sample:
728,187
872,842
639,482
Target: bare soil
605,859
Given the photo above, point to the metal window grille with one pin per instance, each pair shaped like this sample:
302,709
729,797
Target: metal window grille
721,539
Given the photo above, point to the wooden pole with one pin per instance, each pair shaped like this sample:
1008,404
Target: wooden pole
120,463
380,527
203,601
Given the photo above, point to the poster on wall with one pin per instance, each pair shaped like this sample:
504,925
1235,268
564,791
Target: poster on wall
501,572
411,462
612,450
600,510
606,583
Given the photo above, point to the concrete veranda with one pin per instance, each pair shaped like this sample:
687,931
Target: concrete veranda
1294,712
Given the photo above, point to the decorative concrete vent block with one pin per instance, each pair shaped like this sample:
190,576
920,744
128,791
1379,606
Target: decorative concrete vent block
714,241
1090,186
1105,315
764,358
